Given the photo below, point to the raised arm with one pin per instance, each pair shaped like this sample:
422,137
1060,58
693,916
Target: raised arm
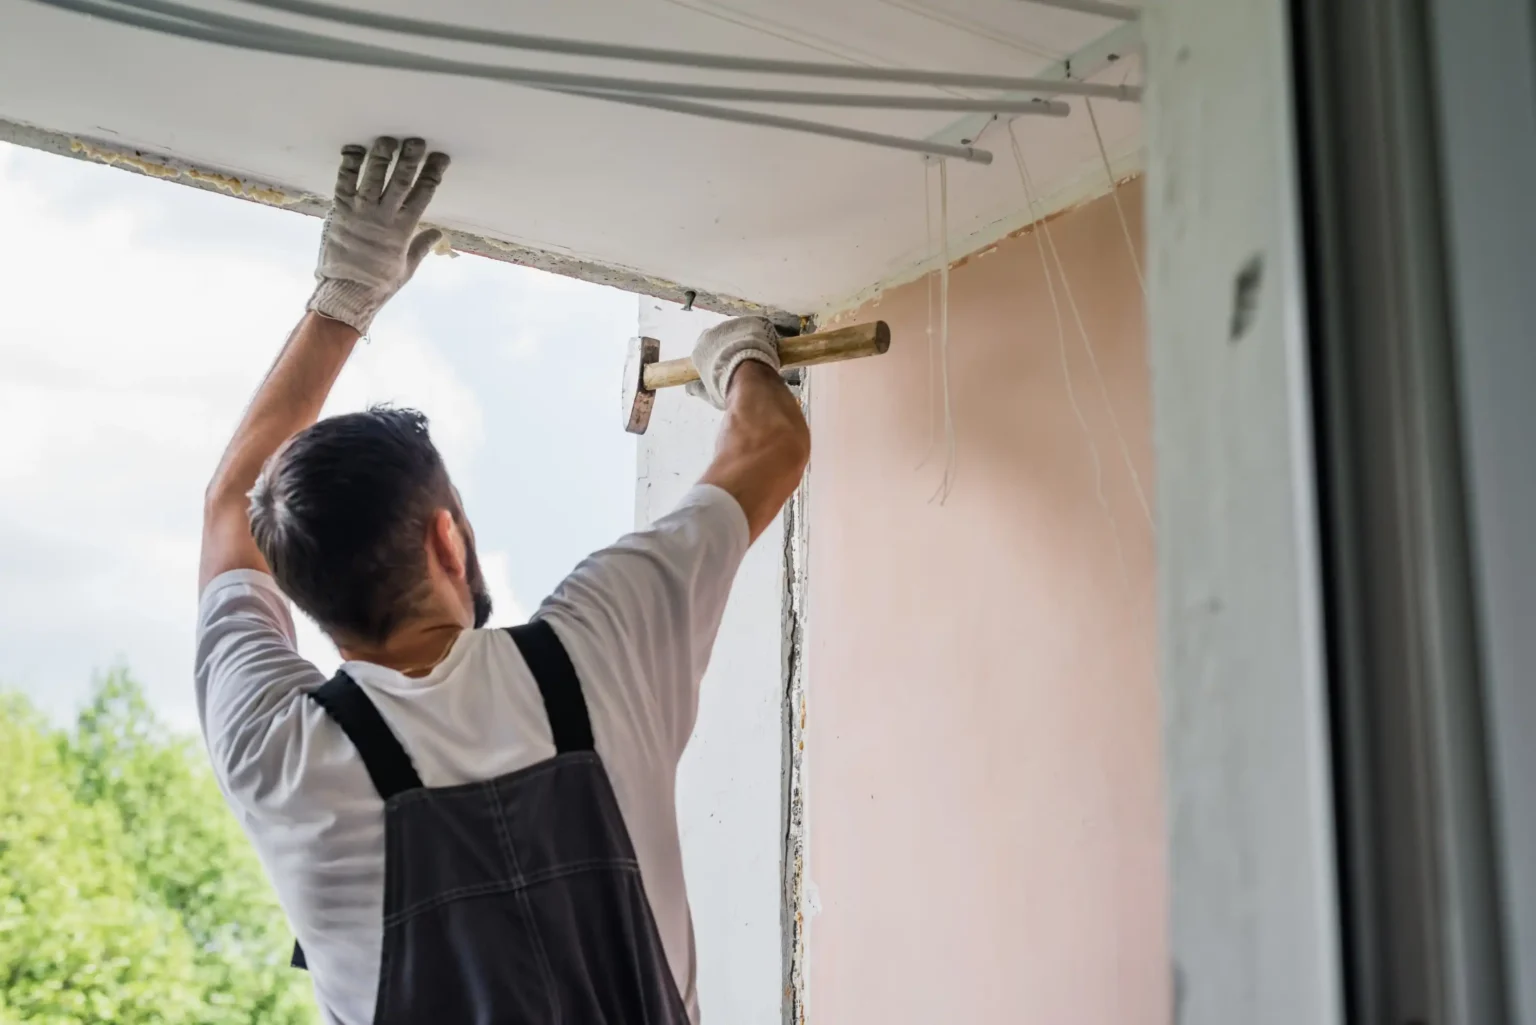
287,401
369,248
764,443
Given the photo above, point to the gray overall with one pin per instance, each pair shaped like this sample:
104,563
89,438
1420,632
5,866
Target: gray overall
515,900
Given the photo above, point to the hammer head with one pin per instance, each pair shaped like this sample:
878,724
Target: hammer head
637,399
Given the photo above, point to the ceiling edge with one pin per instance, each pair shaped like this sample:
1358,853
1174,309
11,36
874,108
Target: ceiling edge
1087,183
155,165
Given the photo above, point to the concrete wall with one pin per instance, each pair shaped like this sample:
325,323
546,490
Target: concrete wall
728,788
984,820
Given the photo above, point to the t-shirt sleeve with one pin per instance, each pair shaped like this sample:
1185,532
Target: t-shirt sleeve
251,682
639,618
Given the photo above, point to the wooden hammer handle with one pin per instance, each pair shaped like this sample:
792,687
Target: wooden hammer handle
806,350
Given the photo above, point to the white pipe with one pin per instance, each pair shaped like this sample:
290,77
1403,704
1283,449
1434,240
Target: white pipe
1016,106
344,50
675,58
1120,12
280,42
749,117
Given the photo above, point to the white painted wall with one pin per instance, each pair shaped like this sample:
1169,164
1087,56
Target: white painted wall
728,789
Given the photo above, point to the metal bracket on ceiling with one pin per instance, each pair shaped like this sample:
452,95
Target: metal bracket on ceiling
1102,53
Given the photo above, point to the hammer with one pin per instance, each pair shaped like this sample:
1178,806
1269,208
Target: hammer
643,374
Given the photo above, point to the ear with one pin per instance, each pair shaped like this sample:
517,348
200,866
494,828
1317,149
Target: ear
446,543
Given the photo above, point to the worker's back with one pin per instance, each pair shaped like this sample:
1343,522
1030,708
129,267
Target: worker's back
637,621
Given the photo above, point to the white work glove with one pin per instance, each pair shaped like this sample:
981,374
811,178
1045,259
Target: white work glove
725,347
369,246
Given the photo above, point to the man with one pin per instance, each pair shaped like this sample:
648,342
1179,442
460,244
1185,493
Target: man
464,825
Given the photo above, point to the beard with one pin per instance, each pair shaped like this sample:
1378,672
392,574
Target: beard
480,596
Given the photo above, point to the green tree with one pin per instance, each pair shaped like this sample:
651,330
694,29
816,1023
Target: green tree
128,893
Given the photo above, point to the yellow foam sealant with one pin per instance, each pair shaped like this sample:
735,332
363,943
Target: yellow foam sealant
156,169
236,187
138,163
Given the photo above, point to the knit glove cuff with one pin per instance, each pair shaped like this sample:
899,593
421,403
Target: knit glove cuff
370,245
350,302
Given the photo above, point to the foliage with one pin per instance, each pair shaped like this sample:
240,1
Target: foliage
127,892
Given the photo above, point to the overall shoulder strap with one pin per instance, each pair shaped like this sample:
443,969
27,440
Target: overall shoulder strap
558,685
387,763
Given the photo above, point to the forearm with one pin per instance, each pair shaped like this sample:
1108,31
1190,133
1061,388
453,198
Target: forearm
288,400
763,446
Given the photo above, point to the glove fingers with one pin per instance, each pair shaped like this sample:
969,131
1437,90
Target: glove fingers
346,178
411,153
426,185
379,157
421,245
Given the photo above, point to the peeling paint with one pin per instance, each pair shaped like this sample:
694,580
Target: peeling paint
795,714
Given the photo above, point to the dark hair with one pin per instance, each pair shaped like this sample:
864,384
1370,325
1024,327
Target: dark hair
341,514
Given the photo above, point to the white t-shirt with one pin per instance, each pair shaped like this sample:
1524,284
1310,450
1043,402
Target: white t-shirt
638,620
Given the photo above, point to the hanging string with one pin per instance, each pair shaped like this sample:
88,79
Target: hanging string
1093,359
930,280
1066,371
948,481
1114,194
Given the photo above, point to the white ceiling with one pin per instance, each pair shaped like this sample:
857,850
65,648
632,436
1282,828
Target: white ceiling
654,201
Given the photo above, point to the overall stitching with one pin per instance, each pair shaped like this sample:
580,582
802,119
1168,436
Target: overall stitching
504,833
634,954
511,886
464,789
388,944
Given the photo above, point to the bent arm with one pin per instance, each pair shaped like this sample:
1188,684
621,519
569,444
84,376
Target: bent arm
763,446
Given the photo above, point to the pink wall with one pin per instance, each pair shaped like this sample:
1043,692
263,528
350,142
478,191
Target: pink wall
985,827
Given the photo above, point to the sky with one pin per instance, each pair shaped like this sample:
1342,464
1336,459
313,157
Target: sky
138,318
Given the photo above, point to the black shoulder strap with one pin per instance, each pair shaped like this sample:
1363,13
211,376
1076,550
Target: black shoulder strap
388,765
558,685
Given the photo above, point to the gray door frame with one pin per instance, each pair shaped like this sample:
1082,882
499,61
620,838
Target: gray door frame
1254,930
1342,297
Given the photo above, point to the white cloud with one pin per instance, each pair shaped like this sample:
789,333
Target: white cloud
315,645
401,368
521,346
497,569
